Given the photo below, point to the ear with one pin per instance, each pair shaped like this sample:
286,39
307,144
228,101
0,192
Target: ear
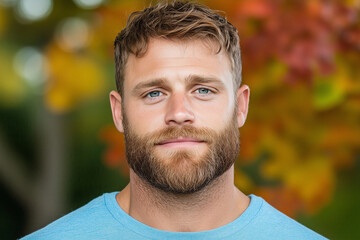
115,102
242,95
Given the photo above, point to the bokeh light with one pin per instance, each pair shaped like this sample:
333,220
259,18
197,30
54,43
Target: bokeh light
73,34
30,64
32,10
88,4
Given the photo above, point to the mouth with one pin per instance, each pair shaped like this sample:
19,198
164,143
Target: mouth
180,142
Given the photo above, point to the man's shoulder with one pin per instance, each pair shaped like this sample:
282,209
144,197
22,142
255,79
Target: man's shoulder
84,220
276,225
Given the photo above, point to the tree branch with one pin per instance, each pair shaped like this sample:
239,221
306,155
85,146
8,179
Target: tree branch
13,172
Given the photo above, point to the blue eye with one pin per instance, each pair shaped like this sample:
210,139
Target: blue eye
154,94
203,91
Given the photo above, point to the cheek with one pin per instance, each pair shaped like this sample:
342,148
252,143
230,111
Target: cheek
216,114
144,119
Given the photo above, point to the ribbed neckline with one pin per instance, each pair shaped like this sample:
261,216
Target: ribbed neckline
135,226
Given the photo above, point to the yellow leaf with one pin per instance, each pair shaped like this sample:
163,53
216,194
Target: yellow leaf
282,157
59,100
12,88
328,93
313,180
243,182
74,77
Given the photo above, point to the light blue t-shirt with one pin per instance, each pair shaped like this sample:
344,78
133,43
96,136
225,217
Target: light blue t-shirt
102,218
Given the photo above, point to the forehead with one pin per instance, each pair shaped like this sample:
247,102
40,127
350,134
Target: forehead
176,59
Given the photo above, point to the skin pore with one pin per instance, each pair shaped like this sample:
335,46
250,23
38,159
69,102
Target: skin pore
177,84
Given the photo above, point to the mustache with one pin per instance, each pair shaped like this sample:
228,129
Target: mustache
172,132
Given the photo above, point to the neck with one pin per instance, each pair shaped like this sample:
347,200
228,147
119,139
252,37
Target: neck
216,205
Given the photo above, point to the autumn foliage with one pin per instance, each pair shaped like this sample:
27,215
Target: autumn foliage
300,60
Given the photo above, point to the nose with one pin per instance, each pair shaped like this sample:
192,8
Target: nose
179,111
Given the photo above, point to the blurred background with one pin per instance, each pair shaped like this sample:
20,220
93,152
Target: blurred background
300,146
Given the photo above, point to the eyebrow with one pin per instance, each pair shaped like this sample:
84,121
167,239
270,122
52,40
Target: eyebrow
150,83
191,80
194,79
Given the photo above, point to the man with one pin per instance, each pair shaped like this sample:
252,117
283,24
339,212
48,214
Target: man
179,103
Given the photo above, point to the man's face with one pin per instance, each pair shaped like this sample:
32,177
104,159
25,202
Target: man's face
179,115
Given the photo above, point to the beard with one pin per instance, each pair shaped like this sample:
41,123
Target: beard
182,171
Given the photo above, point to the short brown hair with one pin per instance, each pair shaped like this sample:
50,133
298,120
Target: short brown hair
175,20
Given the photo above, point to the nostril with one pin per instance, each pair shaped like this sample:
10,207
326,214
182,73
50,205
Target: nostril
180,118
179,111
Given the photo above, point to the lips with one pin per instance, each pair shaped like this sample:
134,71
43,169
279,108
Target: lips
180,140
